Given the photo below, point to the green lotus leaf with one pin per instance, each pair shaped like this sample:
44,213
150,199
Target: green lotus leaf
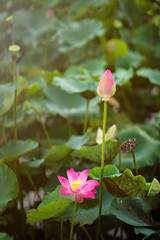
93,153
15,149
131,59
123,76
147,231
131,210
74,106
4,236
7,96
53,205
8,186
87,212
153,75
98,173
124,184
53,209
58,153
77,34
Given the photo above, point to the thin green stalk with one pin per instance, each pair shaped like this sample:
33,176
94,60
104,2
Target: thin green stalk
15,114
3,129
31,181
102,165
74,210
104,131
47,43
135,165
44,128
15,97
87,233
12,35
86,118
62,227
100,210
120,162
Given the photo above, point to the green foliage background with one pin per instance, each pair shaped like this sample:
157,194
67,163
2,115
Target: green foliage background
59,66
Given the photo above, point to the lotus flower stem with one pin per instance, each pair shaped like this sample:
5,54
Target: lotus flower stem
15,96
31,181
87,233
120,162
104,130
102,165
43,126
86,118
3,129
47,42
61,227
135,165
74,210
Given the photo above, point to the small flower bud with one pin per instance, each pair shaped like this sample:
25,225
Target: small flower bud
49,13
128,145
14,49
107,87
9,19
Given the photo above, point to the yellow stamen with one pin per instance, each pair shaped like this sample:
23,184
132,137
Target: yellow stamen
75,185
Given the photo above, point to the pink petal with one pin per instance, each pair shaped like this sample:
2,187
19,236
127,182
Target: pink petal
83,176
65,191
89,185
78,198
88,194
64,182
72,175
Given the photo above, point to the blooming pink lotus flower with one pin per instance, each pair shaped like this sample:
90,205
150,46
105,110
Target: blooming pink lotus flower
107,87
78,185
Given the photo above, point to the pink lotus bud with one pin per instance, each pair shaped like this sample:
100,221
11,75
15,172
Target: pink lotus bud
49,13
107,87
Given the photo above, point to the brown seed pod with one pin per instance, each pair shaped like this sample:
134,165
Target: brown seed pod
128,145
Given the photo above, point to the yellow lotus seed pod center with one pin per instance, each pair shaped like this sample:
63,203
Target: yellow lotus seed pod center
75,185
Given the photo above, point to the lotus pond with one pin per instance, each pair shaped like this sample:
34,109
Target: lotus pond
79,119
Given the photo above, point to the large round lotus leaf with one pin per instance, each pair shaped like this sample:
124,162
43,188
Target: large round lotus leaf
93,153
4,236
87,212
147,152
95,67
124,184
7,94
73,86
131,59
147,231
15,149
98,173
77,34
53,205
131,210
123,76
70,106
8,186
153,75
